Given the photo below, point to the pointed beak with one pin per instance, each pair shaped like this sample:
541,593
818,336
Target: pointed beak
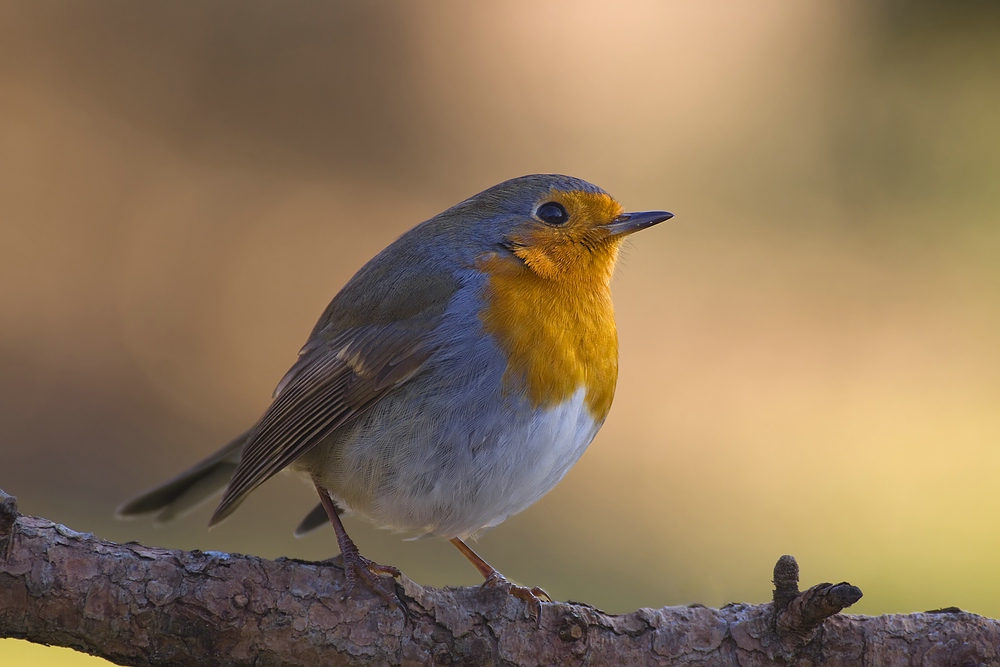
627,223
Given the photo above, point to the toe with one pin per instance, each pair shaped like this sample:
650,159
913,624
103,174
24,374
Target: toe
533,597
541,594
357,567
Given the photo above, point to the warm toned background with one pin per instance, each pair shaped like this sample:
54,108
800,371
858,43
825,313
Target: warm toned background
810,359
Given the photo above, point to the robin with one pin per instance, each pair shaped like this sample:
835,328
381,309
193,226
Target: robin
451,383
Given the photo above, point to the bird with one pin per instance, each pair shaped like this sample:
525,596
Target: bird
450,384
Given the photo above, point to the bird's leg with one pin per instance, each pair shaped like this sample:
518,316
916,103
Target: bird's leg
357,566
533,596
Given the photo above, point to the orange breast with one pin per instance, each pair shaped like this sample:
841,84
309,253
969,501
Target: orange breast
558,335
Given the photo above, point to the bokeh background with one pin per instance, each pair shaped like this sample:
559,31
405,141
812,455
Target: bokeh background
809,350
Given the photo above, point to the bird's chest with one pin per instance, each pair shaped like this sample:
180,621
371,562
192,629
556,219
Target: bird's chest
557,339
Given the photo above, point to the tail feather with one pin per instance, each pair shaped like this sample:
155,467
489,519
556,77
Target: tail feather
189,489
317,518
201,490
200,483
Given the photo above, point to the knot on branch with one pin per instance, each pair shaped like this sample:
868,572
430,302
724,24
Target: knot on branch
786,581
800,614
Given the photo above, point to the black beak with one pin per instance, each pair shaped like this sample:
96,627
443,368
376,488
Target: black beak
627,223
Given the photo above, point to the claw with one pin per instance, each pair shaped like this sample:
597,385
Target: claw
357,567
533,597
540,593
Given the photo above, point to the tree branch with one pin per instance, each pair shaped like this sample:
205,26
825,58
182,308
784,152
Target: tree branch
136,605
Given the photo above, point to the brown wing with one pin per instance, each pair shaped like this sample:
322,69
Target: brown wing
333,382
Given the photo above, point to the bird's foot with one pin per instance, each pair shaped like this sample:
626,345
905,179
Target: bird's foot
534,596
358,567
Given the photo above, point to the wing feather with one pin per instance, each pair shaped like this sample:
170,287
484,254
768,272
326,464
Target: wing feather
329,386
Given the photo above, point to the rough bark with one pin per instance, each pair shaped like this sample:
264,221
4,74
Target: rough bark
137,605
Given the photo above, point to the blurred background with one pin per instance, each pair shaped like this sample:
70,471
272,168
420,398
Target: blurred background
809,350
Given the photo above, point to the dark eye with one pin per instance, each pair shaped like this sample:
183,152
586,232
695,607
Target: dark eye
552,213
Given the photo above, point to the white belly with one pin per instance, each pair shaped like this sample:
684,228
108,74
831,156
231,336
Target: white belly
541,455
463,482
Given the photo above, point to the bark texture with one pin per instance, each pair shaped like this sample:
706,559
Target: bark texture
137,605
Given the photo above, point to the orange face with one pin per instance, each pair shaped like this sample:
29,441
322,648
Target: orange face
579,249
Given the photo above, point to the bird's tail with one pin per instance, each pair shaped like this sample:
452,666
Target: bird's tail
186,491
198,484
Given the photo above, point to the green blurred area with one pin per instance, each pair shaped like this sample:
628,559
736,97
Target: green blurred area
809,351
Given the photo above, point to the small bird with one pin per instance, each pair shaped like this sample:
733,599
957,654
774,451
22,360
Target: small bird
452,382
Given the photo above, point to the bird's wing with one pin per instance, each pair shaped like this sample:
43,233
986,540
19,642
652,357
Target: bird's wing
337,378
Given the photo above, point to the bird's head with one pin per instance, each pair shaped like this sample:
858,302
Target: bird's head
559,227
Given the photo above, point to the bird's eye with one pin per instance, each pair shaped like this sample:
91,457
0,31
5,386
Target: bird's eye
552,213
